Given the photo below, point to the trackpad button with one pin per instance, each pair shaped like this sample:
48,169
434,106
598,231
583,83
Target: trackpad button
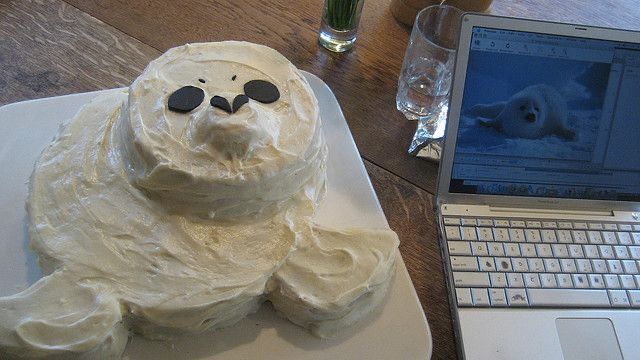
586,339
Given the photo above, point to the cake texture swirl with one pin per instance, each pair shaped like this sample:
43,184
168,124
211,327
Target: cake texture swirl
184,202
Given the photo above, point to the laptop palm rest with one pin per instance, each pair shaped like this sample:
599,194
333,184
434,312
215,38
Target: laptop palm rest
586,339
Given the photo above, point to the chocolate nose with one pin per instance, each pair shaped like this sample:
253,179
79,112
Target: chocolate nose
531,117
222,103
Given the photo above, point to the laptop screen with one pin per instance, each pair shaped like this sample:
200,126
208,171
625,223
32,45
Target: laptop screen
549,116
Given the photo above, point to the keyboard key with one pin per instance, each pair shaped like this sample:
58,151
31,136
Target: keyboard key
609,237
528,250
469,233
501,234
611,281
479,249
501,223
575,251
579,237
470,279
497,297
532,280
496,249
636,227
584,265
480,297
624,227
468,222
636,238
462,263
549,224
599,266
486,264
594,237
580,225
459,248
635,252
564,236
544,250
463,296
515,280
568,265
552,265
567,297
534,224
516,235
535,265
630,267
485,234
520,264
624,238
610,226
498,279
619,298
548,236
596,281
532,235
511,249
596,226
517,223
627,282
621,252
452,233
451,221
580,281
564,281
615,267
485,222
560,250
503,264
591,251
548,280
634,297
517,297
606,251
564,225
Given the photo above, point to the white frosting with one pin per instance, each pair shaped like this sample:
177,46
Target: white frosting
218,165
163,222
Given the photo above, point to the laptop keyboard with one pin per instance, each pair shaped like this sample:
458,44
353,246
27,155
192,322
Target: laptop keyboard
541,263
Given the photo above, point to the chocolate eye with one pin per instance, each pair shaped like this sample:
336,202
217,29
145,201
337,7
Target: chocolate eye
262,91
186,99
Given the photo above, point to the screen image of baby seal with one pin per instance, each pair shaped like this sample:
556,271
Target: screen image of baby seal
532,113
182,204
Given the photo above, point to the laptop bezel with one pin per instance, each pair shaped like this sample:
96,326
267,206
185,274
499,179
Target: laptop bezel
469,21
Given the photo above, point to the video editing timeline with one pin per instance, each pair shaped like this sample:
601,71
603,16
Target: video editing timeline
605,170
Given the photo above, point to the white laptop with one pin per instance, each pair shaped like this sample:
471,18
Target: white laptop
539,191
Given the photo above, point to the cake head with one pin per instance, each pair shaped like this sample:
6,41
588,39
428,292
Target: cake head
225,131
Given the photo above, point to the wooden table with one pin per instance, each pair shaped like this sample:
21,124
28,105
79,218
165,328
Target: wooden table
55,47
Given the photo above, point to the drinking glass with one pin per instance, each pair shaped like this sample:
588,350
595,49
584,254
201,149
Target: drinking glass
339,25
425,78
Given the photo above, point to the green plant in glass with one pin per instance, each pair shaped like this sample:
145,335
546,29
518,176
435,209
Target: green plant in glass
340,20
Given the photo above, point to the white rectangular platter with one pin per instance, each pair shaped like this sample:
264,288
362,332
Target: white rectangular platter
398,330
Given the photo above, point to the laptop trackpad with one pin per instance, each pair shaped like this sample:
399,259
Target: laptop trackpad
586,339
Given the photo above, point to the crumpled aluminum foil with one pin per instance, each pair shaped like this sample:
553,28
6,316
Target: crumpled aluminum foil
427,140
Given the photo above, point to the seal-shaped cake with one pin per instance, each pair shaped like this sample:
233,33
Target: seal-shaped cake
182,204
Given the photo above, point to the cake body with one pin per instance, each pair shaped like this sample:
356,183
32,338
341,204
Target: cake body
162,222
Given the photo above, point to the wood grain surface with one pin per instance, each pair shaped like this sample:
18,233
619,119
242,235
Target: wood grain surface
52,47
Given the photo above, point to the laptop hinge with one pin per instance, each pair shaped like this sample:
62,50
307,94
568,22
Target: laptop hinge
511,210
502,211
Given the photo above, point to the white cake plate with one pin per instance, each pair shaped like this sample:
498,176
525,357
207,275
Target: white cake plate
397,330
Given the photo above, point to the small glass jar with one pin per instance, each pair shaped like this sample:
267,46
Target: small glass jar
339,26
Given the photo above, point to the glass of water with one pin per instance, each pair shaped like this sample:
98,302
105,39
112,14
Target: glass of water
425,78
